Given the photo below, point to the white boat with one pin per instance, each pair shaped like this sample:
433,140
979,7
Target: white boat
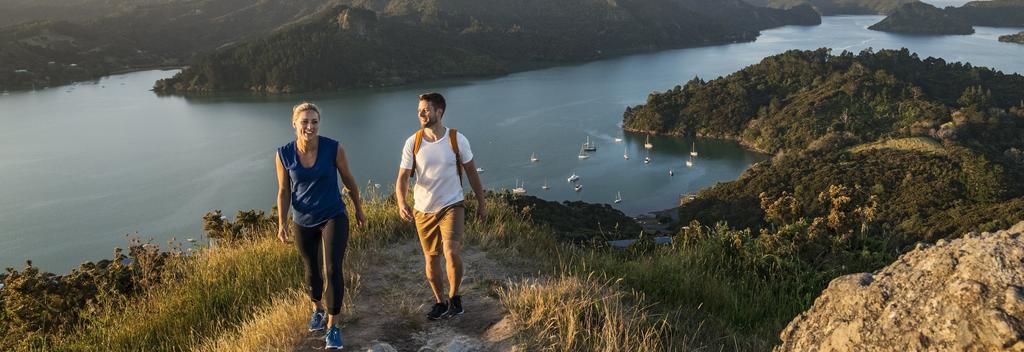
588,146
618,140
573,178
577,188
480,170
647,160
618,197
583,152
625,153
648,144
534,158
671,173
693,149
689,163
545,186
520,189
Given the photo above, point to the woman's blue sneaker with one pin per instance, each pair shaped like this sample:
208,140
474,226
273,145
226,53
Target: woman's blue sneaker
333,339
317,321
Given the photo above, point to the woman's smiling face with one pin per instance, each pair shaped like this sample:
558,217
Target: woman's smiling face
307,125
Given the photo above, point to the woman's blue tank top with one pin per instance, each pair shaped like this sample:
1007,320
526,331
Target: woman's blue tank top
316,196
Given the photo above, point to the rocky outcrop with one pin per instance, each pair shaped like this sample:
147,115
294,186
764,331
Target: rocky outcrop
961,295
1012,38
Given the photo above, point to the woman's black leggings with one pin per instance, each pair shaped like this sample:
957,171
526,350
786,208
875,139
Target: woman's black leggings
323,250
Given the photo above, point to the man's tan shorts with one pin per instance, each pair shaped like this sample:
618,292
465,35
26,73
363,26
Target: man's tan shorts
447,224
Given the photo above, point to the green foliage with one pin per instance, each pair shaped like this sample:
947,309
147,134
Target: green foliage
575,221
36,305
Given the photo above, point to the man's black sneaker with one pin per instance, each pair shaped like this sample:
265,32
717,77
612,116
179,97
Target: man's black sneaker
454,306
438,312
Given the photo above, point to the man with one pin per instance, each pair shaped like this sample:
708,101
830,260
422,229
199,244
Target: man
439,157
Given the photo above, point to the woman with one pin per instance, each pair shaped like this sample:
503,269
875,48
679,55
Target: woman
307,178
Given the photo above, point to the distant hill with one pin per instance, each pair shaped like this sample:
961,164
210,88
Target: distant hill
1013,38
838,7
937,146
993,13
400,41
921,18
133,35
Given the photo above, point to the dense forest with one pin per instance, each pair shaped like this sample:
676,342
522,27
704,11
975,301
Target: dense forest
402,41
126,35
839,7
921,18
934,147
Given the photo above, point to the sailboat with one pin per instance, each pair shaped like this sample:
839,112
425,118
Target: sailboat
583,152
573,178
534,158
648,144
689,163
545,186
520,189
590,147
693,149
577,188
618,197
625,153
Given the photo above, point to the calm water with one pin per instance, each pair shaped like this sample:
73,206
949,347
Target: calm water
83,165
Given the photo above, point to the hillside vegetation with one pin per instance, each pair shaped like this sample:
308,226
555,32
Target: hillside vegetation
400,41
921,18
839,7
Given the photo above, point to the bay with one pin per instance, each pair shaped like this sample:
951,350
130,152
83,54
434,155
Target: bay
83,165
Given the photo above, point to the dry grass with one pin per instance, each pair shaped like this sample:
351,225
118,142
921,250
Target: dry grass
574,313
916,144
278,326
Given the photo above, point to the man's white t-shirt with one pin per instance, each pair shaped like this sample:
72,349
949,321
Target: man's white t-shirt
437,180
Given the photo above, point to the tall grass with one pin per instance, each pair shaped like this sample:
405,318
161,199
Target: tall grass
582,313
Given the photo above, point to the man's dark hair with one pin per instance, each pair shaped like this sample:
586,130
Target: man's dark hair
436,100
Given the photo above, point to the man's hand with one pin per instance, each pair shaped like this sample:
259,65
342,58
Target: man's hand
481,212
404,211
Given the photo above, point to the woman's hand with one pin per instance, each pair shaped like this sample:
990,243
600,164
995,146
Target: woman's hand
282,233
360,218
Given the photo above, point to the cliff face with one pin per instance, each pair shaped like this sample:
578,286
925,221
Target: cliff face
960,295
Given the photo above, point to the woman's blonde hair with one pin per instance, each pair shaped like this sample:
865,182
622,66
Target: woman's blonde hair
304,106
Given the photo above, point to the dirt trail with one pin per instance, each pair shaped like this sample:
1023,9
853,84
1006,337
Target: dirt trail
393,298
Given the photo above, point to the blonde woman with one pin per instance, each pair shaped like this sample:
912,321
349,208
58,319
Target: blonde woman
307,177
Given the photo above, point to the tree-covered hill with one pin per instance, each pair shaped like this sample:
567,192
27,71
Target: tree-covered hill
401,41
921,18
839,7
933,147
127,34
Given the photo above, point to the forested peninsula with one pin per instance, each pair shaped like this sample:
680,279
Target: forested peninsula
401,41
921,18
931,147
838,7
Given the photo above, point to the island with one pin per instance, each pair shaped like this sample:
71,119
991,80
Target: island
1012,38
921,18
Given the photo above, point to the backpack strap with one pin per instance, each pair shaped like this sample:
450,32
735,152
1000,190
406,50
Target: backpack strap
416,149
453,138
